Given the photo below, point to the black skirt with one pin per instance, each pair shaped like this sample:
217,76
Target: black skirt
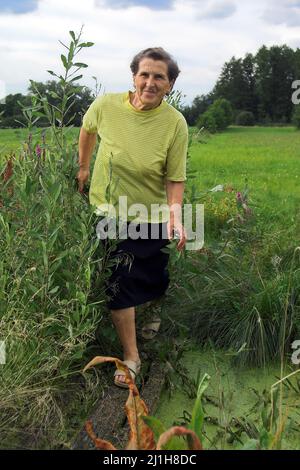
139,269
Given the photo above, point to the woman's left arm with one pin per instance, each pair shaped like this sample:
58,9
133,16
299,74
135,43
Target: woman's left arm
175,191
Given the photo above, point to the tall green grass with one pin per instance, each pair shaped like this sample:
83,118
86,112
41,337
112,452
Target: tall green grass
50,301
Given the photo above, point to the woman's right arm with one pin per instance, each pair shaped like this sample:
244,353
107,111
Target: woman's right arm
87,144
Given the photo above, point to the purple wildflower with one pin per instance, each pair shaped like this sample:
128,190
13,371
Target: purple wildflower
38,151
239,197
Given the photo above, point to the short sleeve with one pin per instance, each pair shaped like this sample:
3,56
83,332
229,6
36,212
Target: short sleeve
177,152
91,119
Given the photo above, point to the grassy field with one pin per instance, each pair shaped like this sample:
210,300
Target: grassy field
268,158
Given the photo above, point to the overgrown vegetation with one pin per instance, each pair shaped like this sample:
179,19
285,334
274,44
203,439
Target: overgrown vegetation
49,313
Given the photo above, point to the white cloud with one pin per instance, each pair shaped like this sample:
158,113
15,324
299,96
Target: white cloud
209,9
201,35
217,10
286,12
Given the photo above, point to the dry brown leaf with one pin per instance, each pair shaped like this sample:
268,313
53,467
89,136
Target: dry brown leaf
141,436
179,431
99,443
119,364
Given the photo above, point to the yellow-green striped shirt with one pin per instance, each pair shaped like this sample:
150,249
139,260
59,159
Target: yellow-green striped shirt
138,151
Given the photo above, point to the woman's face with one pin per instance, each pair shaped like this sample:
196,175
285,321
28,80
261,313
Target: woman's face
151,82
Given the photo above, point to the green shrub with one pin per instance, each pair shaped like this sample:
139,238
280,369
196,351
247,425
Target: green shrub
208,121
225,106
217,117
245,118
12,121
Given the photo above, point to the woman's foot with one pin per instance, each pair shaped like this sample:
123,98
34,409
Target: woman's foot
134,367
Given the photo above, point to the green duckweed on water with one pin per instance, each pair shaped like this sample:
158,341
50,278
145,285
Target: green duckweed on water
234,400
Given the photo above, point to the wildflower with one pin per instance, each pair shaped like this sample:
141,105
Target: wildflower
38,151
8,170
239,197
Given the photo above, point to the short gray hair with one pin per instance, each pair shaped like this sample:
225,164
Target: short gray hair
156,53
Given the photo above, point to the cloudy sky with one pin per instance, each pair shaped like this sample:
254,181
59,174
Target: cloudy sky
200,34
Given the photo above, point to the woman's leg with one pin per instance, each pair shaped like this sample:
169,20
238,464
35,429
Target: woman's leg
124,321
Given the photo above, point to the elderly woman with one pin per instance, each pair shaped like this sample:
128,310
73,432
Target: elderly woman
142,156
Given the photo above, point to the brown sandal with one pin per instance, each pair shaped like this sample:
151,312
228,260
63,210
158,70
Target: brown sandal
134,369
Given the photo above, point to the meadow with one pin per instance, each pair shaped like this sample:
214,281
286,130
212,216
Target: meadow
240,292
267,159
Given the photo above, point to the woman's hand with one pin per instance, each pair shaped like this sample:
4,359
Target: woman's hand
175,190
82,177
176,230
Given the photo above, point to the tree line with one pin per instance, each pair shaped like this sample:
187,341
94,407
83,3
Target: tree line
259,85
